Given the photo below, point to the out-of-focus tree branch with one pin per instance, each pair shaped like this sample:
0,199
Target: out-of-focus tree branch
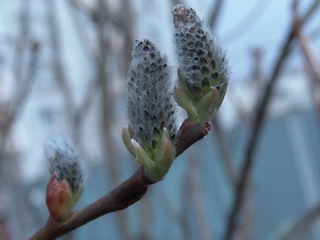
215,13
255,134
22,92
304,42
21,41
312,62
196,194
57,60
302,225
176,2
224,150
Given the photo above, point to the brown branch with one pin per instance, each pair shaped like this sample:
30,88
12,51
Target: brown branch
126,194
302,224
304,42
254,137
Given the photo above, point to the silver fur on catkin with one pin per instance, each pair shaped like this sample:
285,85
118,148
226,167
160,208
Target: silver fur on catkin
151,106
65,162
201,60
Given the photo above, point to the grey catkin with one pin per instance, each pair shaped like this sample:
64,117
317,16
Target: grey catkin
150,102
65,162
200,58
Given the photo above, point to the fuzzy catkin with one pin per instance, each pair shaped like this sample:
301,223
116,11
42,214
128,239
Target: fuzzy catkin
65,162
150,102
201,60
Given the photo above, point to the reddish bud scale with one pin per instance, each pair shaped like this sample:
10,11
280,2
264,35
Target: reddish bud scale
58,199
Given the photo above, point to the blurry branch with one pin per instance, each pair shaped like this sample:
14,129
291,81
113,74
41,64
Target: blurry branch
80,6
261,110
25,87
305,45
81,31
302,225
127,26
22,92
247,22
181,217
196,194
4,230
311,60
224,150
126,194
176,2
145,219
57,60
215,13
103,31
22,40
75,113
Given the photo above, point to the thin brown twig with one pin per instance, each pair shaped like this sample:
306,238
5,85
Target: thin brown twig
126,194
248,162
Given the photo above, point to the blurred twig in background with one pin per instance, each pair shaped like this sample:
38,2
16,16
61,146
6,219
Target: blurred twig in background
261,111
312,62
302,225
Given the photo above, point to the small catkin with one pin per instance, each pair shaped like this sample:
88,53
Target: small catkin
201,59
64,162
151,107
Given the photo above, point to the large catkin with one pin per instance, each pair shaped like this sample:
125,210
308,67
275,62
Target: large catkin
200,58
151,106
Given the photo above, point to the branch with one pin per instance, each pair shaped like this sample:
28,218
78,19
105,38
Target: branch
225,152
304,42
126,194
257,126
302,224
214,17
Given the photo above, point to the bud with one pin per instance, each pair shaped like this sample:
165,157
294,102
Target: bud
203,71
151,109
67,177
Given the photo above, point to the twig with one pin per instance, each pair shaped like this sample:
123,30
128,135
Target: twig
311,60
302,224
20,99
216,11
126,194
227,161
57,61
195,192
21,41
257,126
304,42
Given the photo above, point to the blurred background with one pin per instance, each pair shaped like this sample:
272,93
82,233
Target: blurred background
63,67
